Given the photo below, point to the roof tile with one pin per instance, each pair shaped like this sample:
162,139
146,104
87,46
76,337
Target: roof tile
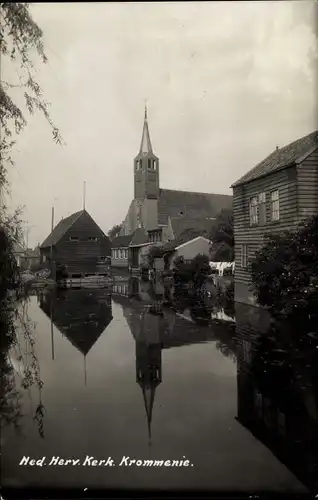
173,203
280,158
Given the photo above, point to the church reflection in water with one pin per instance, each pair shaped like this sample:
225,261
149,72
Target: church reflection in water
277,382
156,328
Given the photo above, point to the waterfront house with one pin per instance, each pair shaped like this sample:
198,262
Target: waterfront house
188,248
78,243
272,197
120,251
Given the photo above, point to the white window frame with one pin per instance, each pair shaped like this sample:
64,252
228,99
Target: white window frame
244,255
253,210
275,216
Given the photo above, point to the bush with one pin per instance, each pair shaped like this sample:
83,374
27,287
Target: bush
195,271
285,274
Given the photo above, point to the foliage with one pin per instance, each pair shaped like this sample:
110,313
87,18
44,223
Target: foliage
114,232
285,274
20,38
195,271
155,252
222,237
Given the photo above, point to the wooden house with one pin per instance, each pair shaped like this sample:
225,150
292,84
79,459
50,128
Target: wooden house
78,243
272,197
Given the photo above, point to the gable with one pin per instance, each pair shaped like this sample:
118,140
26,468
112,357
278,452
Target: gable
60,229
86,224
173,203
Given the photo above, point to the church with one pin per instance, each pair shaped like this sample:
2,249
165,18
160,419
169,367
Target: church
159,215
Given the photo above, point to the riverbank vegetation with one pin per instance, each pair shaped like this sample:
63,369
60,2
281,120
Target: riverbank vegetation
20,39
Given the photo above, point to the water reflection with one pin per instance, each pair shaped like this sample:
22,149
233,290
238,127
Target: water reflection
80,315
277,387
169,382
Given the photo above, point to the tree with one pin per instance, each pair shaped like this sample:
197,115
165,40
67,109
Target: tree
20,37
114,232
222,237
285,274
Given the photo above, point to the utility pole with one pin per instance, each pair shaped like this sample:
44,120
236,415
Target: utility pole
84,195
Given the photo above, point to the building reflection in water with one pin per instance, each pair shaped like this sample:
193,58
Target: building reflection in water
80,315
277,379
156,328
277,386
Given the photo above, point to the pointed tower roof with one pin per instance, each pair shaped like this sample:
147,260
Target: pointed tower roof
148,393
148,368
145,145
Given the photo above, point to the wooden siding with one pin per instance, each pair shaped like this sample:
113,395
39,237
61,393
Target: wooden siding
285,182
307,181
82,255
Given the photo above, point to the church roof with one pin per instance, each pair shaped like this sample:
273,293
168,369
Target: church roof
193,226
173,203
281,158
60,229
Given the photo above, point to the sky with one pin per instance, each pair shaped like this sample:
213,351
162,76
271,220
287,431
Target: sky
225,83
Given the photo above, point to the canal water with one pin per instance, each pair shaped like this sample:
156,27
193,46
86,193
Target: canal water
112,374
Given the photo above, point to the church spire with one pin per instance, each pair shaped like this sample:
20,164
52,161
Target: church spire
145,146
149,398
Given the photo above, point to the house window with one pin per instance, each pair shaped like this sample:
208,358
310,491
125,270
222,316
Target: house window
275,205
262,208
92,238
244,256
73,238
254,210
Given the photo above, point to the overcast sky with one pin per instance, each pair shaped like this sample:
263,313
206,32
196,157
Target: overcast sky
225,83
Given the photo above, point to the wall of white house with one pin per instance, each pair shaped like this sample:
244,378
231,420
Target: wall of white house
191,249
119,257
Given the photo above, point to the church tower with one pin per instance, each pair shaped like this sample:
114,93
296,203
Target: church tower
148,362
146,168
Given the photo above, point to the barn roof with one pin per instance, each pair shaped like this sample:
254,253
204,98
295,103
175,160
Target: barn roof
173,203
60,229
281,158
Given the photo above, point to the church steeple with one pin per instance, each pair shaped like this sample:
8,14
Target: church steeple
146,167
148,362
145,145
